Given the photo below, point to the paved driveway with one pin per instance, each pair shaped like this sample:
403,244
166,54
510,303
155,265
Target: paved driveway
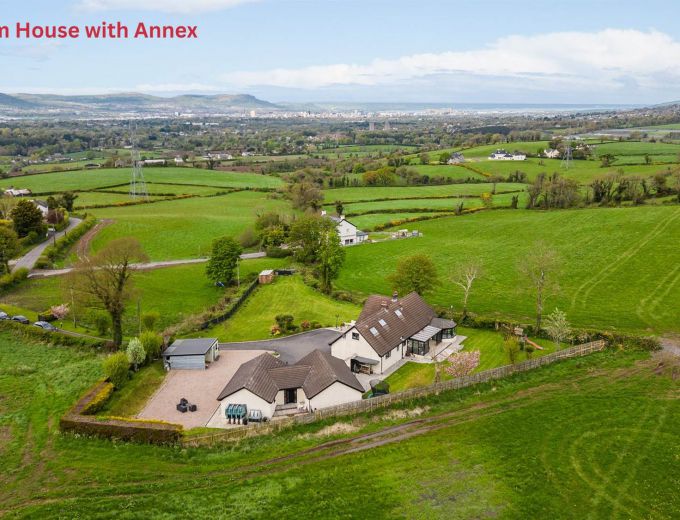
292,348
200,387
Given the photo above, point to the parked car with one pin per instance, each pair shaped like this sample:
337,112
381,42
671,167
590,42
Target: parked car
45,326
21,319
4,316
256,416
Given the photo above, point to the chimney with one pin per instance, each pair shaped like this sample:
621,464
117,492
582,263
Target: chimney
395,296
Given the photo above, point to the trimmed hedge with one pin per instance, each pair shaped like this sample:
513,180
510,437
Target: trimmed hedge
59,250
136,430
101,397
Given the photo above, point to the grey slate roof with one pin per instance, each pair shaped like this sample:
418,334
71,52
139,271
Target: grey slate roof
254,375
403,318
190,347
265,376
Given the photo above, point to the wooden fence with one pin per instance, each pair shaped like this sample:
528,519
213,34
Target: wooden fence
375,403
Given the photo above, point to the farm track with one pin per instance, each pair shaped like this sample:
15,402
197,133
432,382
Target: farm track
390,435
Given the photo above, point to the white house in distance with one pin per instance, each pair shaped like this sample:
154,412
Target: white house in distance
267,384
551,153
389,329
502,155
349,234
456,158
191,354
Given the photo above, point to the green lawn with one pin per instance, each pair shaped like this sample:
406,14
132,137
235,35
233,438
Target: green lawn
287,295
619,267
368,193
592,437
491,355
180,229
89,179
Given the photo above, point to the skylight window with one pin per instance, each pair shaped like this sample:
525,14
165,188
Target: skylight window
374,331
382,322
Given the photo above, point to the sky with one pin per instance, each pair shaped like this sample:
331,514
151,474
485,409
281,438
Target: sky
514,51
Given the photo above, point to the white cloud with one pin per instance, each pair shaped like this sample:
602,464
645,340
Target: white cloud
164,6
607,59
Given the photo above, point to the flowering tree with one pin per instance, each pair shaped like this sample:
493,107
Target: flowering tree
60,312
463,363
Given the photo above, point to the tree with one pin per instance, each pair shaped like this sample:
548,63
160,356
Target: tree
152,343
60,312
331,257
9,247
66,200
116,368
223,260
557,326
414,273
305,195
306,236
511,349
104,280
27,218
464,276
540,267
135,353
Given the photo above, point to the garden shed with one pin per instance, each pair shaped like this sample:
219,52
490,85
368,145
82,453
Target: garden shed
194,354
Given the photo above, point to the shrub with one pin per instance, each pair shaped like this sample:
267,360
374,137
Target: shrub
99,400
152,343
116,368
135,352
150,320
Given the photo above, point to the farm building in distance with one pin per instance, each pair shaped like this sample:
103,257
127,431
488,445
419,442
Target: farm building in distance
502,155
191,354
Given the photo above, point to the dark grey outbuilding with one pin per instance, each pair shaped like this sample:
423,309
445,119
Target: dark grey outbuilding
194,354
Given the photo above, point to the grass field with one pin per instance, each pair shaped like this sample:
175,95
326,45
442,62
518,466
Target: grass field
368,193
620,268
287,295
182,229
91,179
546,444
174,292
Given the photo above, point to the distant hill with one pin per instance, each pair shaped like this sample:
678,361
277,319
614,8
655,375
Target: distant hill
132,102
14,102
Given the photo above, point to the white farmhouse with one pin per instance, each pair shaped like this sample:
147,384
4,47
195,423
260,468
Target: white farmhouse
349,234
502,155
390,329
267,384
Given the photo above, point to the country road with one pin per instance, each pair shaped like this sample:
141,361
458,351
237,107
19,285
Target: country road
142,267
30,258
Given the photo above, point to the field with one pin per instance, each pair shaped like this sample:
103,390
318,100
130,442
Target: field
180,229
99,178
162,290
619,267
287,295
546,444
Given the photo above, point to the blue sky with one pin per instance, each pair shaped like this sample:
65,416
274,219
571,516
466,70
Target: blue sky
371,50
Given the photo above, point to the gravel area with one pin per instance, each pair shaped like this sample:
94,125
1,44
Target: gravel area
200,387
